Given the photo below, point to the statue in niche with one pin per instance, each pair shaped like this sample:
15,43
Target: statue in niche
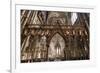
58,49
43,46
43,42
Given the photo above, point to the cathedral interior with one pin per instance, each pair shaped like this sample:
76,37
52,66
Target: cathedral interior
54,36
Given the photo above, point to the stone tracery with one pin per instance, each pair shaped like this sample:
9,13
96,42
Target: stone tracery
41,29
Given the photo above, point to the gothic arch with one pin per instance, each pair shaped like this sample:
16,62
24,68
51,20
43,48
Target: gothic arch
56,47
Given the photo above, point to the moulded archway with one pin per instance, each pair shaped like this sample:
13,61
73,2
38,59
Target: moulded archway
56,47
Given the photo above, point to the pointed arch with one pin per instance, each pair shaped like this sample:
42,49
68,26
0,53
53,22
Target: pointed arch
74,17
56,46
